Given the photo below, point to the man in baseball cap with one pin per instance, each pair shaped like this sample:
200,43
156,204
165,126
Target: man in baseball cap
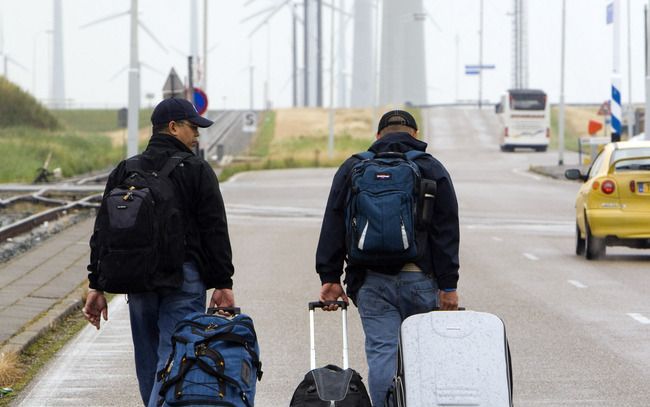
383,291
176,110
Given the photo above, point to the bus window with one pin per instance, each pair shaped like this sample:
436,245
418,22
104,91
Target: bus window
528,102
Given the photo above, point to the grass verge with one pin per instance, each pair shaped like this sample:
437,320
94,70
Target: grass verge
21,369
306,148
26,149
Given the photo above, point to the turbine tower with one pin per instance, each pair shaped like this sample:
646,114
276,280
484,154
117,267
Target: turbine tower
57,95
363,68
520,45
403,61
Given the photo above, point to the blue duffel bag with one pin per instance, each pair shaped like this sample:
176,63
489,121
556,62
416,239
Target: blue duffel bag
214,361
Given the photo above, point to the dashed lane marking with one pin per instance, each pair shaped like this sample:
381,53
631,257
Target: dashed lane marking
530,256
497,239
577,283
639,318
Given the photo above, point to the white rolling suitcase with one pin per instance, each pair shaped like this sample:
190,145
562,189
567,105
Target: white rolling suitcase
453,358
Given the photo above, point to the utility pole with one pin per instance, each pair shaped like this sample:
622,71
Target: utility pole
294,57
560,146
58,78
319,54
134,85
330,141
616,73
307,68
630,107
647,71
480,57
204,77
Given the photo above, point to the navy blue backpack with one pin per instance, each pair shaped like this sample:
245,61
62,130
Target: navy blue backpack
382,209
214,362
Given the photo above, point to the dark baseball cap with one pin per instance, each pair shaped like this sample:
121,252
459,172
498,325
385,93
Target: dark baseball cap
398,118
176,109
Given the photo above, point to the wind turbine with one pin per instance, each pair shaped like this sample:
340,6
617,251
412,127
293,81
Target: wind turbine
6,59
134,73
58,77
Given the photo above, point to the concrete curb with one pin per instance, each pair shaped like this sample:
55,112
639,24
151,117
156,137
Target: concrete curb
38,327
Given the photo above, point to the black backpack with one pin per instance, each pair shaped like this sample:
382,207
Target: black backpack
140,231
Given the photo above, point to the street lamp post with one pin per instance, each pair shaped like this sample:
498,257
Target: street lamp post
560,146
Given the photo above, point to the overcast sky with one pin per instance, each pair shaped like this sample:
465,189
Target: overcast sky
96,57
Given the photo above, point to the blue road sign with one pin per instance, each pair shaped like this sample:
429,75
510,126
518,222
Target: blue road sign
200,101
477,67
610,13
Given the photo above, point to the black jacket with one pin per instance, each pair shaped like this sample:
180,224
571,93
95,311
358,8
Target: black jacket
441,260
207,239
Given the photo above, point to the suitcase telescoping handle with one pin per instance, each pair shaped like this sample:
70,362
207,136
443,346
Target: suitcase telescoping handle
312,341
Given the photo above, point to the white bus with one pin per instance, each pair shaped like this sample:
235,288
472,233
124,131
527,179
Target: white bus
525,119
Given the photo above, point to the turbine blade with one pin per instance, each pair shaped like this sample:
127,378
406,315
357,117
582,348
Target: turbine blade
118,73
153,37
151,68
101,20
264,10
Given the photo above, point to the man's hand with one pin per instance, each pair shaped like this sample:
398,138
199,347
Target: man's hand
448,300
95,306
223,297
332,292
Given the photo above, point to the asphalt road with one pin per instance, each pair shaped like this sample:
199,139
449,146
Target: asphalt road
578,330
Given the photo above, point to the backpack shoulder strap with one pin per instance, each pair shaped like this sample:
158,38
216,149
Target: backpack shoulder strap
172,162
132,164
415,154
364,155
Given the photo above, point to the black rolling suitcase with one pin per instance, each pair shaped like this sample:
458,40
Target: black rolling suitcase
330,386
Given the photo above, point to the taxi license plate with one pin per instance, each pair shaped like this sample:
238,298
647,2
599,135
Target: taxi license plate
644,187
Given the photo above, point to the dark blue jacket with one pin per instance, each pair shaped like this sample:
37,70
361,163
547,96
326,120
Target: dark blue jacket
440,261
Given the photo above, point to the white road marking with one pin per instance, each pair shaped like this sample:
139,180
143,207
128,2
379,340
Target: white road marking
531,256
497,239
639,318
526,174
577,283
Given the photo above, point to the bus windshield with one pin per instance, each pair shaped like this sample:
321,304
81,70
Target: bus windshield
523,101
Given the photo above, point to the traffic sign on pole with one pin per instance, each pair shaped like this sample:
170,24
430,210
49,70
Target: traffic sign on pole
173,87
250,122
200,101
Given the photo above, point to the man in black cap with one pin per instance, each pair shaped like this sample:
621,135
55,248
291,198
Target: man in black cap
208,256
387,293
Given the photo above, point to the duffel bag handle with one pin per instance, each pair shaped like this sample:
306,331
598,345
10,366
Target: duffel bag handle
229,310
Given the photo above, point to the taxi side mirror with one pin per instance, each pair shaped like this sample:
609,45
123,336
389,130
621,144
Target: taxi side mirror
574,174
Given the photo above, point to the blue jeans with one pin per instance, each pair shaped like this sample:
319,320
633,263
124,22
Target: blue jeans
154,316
384,301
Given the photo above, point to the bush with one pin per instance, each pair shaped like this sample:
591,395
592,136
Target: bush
18,108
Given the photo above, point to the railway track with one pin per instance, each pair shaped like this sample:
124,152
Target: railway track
24,207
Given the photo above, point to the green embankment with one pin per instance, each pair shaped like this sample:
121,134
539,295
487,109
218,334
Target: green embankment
75,140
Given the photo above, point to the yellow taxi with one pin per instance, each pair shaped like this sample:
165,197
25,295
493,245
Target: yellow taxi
613,204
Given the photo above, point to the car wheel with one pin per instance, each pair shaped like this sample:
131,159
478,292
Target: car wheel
540,149
594,246
507,149
580,242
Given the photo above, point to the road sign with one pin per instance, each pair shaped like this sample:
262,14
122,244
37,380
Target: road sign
477,67
250,122
200,101
173,87
594,127
604,109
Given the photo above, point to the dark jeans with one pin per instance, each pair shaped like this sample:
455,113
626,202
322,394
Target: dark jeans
153,318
